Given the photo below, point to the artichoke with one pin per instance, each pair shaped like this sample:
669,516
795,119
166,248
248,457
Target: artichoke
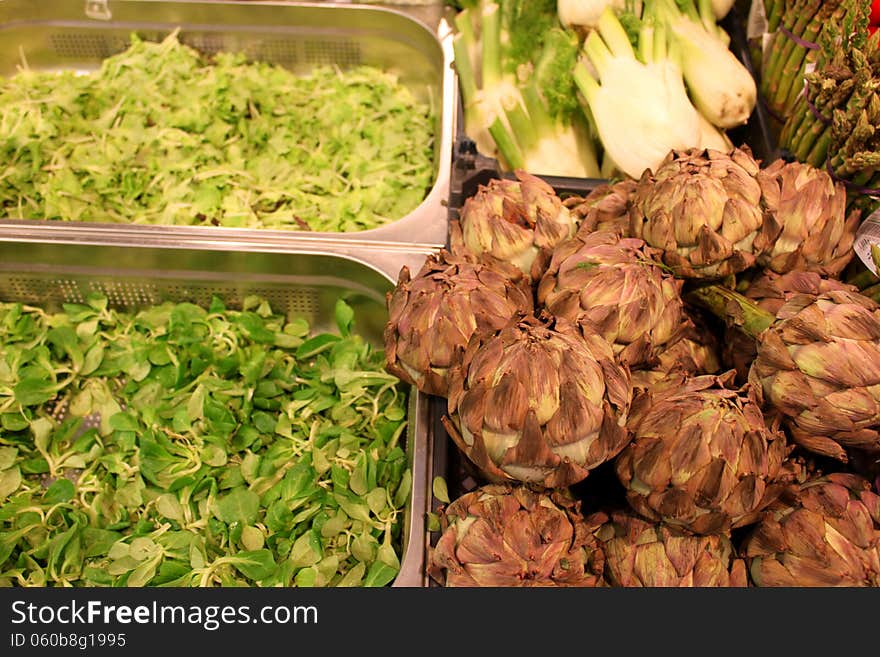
539,403
604,208
517,221
613,288
825,532
642,553
701,457
501,535
819,365
806,227
694,354
703,208
770,291
432,317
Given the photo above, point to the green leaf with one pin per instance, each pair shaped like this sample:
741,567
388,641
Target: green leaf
252,369
61,490
213,455
122,565
142,548
255,564
144,573
34,466
306,578
353,577
355,509
197,557
314,346
364,548
119,550
33,392
297,481
93,359
97,542
377,499
298,327
334,526
10,480
440,490
7,457
254,328
195,408
14,422
285,341
240,505
252,538
358,480
380,574
169,507
395,413
344,317
303,554
401,495
124,422
387,555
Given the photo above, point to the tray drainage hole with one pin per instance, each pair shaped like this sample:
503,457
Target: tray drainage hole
275,51
344,54
124,294
302,302
70,291
80,45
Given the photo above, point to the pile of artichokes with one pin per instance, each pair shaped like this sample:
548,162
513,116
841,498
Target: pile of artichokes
663,383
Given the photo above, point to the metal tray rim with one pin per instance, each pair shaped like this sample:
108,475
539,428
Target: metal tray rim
412,557
430,214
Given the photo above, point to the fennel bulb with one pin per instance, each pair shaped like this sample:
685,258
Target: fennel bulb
512,110
641,109
484,109
566,150
584,13
722,7
719,84
713,138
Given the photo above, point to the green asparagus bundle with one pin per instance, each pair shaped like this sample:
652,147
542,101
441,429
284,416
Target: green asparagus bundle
793,46
773,11
835,122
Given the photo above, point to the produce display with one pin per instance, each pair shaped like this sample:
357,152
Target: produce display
597,89
186,446
213,141
653,341
691,393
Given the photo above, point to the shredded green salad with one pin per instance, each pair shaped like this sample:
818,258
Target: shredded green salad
161,134
190,446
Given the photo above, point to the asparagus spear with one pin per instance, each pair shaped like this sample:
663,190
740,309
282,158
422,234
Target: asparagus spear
783,47
791,77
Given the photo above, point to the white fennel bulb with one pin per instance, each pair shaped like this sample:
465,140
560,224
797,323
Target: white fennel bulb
719,84
584,13
714,138
722,7
641,109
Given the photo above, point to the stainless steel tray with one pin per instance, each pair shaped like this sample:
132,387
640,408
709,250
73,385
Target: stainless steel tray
305,282
79,34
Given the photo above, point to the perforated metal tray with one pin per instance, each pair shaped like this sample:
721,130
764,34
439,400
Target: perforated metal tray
304,282
79,34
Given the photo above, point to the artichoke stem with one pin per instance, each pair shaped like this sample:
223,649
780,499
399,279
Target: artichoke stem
733,308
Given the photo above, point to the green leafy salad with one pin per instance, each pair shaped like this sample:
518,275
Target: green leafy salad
188,446
161,134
